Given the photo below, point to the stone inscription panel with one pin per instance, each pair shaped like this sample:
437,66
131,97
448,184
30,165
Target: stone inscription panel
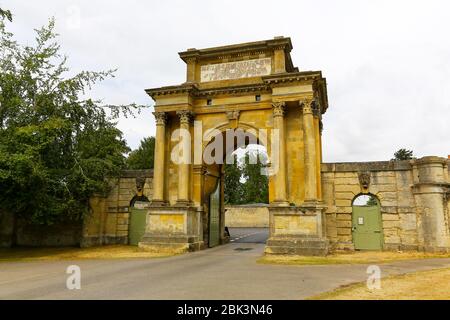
236,70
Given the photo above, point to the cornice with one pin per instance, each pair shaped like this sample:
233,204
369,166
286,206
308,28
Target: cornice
172,90
237,50
292,77
315,77
234,90
194,90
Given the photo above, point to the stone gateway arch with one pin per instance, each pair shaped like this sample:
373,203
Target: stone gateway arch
254,89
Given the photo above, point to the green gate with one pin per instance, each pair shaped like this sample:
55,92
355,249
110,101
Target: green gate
138,222
214,217
367,230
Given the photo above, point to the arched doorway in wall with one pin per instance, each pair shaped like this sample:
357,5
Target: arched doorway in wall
367,227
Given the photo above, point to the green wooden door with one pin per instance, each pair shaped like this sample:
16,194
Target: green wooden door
367,228
214,217
138,222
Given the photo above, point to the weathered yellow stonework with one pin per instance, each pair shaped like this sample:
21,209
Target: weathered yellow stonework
254,86
250,86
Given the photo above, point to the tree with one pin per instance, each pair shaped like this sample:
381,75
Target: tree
372,201
6,14
233,186
57,148
403,154
142,157
256,184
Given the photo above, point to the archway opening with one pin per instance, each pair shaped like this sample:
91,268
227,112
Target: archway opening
237,193
367,227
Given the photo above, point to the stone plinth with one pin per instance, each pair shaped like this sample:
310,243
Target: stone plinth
297,230
173,229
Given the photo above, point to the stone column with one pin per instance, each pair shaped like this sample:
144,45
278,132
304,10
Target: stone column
280,176
185,162
310,151
159,165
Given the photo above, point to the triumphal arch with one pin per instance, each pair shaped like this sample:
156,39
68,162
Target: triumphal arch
251,88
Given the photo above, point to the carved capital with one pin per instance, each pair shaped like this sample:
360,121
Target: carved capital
278,109
233,115
190,60
185,116
160,117
307,105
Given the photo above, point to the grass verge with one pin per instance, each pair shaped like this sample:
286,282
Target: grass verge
359,257
422,285
73,253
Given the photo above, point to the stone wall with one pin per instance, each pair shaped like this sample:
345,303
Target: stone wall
413,197
109,220
247,216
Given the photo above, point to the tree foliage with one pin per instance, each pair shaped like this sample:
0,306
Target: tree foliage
233,187
142,157
255,188
6,14
57,148
403,154
371,201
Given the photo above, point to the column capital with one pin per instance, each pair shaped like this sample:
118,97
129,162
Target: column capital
310,105
185,116
306,105
278,109
160,117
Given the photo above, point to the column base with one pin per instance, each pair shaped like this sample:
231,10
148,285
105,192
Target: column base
280,203
159,203
184,203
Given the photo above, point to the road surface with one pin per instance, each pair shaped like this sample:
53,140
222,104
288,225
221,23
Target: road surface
224,272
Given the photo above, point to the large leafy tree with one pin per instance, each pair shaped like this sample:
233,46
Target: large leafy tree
57,148
142,157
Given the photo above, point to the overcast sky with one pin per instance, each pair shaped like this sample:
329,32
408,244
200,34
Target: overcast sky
387,63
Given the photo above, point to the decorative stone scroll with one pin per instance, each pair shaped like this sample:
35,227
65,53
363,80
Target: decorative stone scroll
236,70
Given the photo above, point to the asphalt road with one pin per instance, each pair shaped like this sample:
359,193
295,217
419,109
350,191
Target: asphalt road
224,272
249,235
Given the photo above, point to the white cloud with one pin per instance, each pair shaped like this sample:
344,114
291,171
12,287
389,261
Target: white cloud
386,62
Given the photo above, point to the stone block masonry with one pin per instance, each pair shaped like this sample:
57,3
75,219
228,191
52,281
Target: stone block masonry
413,196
